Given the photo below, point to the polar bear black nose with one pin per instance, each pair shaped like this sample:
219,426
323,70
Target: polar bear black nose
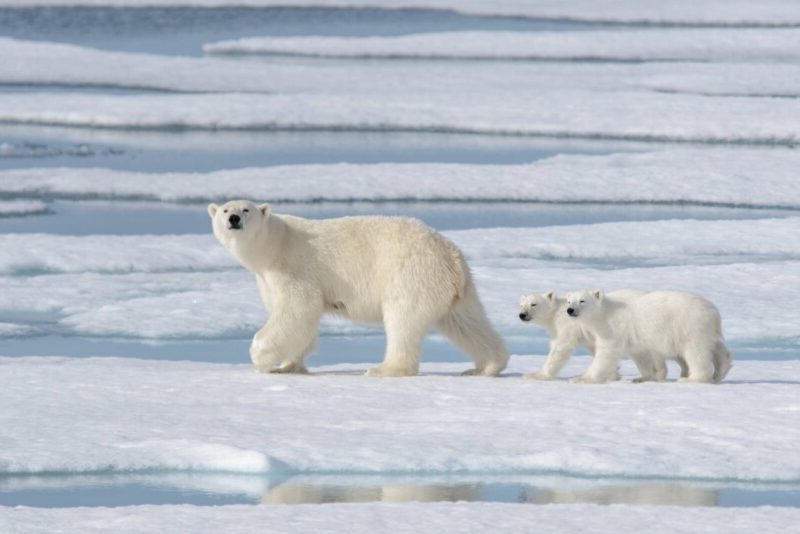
571,311
234,219
523,316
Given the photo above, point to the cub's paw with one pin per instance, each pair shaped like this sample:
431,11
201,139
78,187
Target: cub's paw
585,380
290,368
538,375
381,371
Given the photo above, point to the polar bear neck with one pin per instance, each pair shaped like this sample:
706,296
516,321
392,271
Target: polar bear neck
259,252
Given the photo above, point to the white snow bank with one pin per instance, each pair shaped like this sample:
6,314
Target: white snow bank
16,208
44,63
710,12
402,518
20,253
118,415
553,113
751,177
663,44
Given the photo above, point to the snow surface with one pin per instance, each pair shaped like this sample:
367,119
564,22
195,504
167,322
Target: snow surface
670,12
727,45
402,518
114,415
43,63
742,177
554,113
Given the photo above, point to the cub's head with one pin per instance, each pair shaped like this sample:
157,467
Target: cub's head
537,306
237,220
584,303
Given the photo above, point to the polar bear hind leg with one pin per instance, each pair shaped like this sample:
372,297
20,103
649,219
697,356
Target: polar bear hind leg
722,361
404,337
468,328
700,361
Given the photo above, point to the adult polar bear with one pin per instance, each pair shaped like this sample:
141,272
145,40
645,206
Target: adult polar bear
371,269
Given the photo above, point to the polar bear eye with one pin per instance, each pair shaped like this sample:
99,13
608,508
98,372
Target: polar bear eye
246,210
224,211
583,301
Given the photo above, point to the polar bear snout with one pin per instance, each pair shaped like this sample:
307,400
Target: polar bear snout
572,312
524,316
234,222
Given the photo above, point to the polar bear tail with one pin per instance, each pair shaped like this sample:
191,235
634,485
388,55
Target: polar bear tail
467,326
722,360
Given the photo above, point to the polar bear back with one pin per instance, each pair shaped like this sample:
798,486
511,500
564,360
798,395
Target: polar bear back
666,322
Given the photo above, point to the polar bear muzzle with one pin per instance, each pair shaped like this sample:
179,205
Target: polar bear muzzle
234,222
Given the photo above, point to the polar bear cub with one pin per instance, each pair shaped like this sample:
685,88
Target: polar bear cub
661,324
392,270
550,312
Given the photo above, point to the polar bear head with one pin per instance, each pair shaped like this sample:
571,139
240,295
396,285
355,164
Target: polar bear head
237,224
584,303
538,307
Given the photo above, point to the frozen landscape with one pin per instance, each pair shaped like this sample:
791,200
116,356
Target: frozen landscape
560,145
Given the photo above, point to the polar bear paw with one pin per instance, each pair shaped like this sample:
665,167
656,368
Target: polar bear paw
586,380
381,371
485,371
538,375
290,368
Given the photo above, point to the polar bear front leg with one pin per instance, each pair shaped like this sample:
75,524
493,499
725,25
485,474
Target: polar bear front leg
286,339
558,356
404,337
603,367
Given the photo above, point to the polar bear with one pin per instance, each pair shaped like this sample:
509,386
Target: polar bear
661,324
550,312
393,270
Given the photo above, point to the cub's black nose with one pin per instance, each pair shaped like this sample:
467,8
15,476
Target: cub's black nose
570,311
234,220
523,316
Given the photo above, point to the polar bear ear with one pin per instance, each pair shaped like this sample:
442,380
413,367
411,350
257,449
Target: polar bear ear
550,295
212,210
265,209
598,294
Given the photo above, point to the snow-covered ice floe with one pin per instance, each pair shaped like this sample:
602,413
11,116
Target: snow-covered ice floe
184,277
768,13
628,115
37,63
741,177
403,518
634,45
121,415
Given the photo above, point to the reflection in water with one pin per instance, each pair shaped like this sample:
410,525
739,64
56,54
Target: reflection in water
645,494
120,489
635,494
290,493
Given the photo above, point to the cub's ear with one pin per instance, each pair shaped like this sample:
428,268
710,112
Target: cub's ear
598,294
212,210
265,209
551,295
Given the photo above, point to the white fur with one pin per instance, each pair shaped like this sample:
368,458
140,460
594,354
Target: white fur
392,270
660,325
566,334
